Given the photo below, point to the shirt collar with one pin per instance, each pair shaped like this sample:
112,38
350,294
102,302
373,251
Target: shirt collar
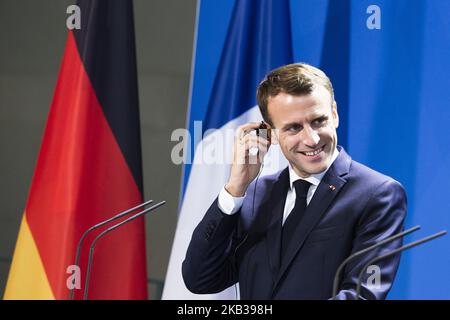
314,178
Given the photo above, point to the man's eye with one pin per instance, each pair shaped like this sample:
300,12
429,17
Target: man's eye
294,128
319,121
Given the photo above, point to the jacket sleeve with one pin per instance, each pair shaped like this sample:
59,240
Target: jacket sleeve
383,217
209,265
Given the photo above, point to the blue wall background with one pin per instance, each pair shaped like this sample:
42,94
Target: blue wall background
393,93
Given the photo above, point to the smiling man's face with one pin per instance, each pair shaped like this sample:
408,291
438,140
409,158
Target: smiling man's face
305,129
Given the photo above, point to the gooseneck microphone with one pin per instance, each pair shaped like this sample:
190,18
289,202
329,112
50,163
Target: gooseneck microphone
94,242
98,225
405,247
358,253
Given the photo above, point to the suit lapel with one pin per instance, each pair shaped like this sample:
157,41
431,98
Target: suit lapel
326,192
275,208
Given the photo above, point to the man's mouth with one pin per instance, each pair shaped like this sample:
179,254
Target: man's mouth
313,152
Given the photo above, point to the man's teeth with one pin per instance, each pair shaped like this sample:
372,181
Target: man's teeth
313,153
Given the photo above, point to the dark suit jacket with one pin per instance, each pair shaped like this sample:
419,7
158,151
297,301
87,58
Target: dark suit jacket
353,208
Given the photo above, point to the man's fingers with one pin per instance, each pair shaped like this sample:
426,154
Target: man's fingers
246,128
251,138
254,144
251,149
256,155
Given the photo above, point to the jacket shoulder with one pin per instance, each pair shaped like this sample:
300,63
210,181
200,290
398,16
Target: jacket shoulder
370,178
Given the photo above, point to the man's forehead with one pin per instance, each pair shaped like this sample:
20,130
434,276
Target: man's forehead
307,115
307,106
296,114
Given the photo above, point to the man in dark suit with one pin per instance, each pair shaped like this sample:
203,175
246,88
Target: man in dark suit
284,236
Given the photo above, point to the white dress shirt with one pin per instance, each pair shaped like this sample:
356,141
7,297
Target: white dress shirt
230,205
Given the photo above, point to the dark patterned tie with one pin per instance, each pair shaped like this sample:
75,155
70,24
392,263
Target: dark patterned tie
296,215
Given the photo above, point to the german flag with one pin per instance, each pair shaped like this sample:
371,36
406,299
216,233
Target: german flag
88,169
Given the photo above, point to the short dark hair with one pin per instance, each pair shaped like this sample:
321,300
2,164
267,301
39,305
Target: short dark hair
296,79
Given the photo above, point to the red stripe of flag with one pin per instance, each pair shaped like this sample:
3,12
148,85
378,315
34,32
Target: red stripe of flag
82,177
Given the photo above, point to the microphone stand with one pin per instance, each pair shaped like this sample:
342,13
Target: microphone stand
358,253
94,242
98,225
405,247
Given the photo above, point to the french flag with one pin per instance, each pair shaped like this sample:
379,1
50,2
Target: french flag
256,40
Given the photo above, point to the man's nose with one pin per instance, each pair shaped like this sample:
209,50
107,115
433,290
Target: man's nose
309,137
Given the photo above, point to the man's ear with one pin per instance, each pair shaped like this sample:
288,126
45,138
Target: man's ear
335,114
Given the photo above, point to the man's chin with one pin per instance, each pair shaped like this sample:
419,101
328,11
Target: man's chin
310,170
318,170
